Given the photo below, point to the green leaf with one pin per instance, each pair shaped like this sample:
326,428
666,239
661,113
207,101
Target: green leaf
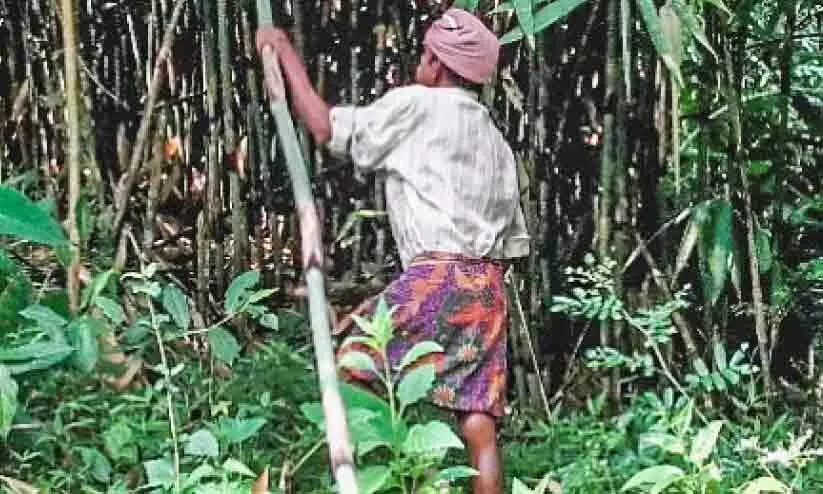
469,5
98,284
224,345
764,249
22,218
35,351
270,321
118,441
174,302
544,18
111,309
416,385
694,25
198,474
358,361
659,475
525,17
96,463
202,443
432,438
651,21
766,484
236,295
82,334
261,295
160,472
719,356
83,217
700,367
518,487
457,473
704,442
49,321
666,442
235,466
8,401
372,479
238,430
16,292
720,248
419,351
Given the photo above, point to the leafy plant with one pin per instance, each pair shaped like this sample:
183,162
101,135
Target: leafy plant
415,451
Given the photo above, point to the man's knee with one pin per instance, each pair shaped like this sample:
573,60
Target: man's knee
478,427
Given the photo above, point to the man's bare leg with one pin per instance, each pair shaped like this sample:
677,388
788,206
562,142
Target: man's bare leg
480,432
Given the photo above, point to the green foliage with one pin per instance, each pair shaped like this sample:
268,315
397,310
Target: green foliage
406,455
22,218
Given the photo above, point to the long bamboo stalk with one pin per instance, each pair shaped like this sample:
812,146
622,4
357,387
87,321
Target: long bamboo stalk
130,177
73,131
337,434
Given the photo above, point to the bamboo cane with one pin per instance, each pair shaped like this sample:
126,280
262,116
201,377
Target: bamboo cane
337,434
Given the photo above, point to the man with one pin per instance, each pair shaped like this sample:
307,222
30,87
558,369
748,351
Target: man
452,199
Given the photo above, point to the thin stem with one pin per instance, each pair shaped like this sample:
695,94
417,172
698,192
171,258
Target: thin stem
172,422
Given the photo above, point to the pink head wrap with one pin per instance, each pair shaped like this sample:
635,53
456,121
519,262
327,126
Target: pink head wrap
464,45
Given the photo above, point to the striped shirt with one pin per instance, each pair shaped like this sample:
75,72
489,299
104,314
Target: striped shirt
451,178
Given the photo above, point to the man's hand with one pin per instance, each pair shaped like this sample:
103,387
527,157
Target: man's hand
272,36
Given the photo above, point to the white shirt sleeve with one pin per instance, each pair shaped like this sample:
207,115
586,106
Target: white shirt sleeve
368,134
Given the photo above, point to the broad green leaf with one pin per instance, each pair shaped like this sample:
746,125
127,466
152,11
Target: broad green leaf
651,20
372,479
766,484
198,474
237,293
238,430
97,464
160,472
764,250
22,218
382,322
235,466
656,475
174,302
705,441
544,18
224,345
470,5
525,17
314,413
693,24
419,351
666,442
358,361
433,438
82,334
721,247
416,385
721,6
202,443
35,351
719,383
118,441
111,309
8,401
457,473
49,321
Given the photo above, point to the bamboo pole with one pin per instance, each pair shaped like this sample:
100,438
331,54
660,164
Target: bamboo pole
136,159
337,434
73,130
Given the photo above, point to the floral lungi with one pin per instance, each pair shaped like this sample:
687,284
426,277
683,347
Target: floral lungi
459,303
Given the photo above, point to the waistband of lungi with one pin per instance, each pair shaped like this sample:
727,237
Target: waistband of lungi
430,257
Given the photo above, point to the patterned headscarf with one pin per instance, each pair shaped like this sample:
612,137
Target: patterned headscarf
464,44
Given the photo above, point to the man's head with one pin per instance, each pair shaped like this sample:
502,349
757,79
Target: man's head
457,49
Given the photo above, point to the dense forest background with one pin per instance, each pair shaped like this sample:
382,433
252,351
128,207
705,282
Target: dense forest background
154,330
